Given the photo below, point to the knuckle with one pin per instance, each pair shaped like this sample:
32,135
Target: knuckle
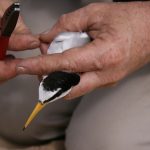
98,64
68,62
42,65
69,65
62,19
66,21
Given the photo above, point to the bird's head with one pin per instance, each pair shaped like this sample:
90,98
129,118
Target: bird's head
54,86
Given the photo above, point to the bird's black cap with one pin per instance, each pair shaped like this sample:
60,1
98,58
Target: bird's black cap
63,81
59,79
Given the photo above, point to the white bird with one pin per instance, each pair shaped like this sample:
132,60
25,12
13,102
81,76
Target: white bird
58,84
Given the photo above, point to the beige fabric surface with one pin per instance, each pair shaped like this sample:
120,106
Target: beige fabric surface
56,145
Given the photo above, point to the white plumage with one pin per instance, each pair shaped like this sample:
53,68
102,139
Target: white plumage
61,43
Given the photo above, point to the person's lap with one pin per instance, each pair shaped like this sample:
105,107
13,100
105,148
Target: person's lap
115,118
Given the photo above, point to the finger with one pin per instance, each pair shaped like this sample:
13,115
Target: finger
75,21
83,59
24,35
23,41
44,48
8,69
22,38
89,82
97,79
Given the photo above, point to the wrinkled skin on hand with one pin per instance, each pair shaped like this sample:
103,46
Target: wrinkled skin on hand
21,39
120,33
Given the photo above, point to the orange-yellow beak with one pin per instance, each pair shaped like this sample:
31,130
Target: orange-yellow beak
36,110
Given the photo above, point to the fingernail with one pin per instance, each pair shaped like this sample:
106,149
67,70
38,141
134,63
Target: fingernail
35,44
21,70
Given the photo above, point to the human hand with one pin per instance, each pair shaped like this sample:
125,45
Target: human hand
120,33
21,39
21,33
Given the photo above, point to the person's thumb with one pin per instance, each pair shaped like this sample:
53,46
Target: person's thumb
23,41
75,22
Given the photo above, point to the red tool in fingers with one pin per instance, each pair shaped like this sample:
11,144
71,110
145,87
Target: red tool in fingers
8,24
